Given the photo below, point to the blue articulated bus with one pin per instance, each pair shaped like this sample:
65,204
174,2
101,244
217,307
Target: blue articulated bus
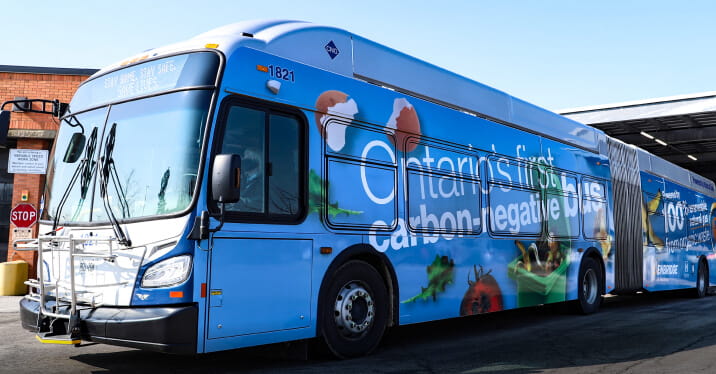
273,181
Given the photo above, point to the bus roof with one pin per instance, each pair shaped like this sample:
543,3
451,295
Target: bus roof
656,165
354,56
677,174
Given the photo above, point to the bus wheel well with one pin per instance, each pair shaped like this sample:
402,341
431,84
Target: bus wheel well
372,257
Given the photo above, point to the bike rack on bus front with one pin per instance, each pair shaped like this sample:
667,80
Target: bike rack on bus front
44,290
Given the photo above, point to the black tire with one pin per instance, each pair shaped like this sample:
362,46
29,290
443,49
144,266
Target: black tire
589,287
702,280
354,310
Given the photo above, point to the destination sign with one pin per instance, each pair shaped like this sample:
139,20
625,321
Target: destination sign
152,76
194,69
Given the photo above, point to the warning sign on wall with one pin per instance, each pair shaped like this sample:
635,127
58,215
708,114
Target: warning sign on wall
27,161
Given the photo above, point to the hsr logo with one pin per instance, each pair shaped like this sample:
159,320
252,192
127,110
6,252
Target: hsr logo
332,49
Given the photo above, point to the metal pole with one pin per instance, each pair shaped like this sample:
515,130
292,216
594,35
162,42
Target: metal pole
73,296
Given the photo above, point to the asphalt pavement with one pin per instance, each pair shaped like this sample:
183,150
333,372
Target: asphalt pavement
9,304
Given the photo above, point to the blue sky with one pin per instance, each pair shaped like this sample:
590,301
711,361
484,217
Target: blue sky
557,54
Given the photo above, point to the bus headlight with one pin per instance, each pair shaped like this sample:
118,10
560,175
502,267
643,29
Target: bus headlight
167,273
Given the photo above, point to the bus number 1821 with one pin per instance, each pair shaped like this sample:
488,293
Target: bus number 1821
281,73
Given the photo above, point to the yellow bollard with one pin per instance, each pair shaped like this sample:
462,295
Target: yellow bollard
12,278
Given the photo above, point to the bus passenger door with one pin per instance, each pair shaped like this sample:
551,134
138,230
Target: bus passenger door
258,285
260,276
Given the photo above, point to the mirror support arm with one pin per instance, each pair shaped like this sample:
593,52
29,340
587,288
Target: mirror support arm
202,224
53,107
225,185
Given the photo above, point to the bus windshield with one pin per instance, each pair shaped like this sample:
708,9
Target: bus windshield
140,157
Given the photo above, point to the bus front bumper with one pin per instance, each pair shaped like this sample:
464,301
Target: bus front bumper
169,329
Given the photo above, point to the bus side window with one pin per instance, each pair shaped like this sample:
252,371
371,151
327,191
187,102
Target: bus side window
443,193
562,205
284,167
594,210
361,179
270,145
515,196
245,136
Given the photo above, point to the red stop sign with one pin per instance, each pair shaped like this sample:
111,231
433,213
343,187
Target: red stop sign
23,215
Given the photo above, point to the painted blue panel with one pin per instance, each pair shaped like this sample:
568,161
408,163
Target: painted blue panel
568,157
553,125
233,342
259,285
326,48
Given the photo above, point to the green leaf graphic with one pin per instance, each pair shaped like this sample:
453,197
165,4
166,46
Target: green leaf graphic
440,274
315,197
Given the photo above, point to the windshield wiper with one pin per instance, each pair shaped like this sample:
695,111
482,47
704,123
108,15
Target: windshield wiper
109,171
84,170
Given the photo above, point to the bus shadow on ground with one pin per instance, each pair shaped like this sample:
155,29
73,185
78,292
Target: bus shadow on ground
628,329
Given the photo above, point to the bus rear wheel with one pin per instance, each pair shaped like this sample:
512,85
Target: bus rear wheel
590,286
702,280
355,310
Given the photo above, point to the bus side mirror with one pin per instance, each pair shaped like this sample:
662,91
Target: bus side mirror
74,149
226,178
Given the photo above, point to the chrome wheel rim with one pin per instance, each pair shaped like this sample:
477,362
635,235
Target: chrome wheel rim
354,310
589,286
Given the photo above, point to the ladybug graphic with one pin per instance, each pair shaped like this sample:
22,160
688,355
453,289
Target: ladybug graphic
483,294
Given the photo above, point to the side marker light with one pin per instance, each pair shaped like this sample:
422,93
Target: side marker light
176,294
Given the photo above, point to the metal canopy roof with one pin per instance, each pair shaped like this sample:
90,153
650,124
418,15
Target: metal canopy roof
673,128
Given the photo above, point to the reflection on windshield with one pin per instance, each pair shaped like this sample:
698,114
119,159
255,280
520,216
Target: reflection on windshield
162,203
72,206
151,157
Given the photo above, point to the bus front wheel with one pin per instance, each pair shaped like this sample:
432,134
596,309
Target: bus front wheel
590,289
355,310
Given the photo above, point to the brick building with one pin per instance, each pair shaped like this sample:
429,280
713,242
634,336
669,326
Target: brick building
29,131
